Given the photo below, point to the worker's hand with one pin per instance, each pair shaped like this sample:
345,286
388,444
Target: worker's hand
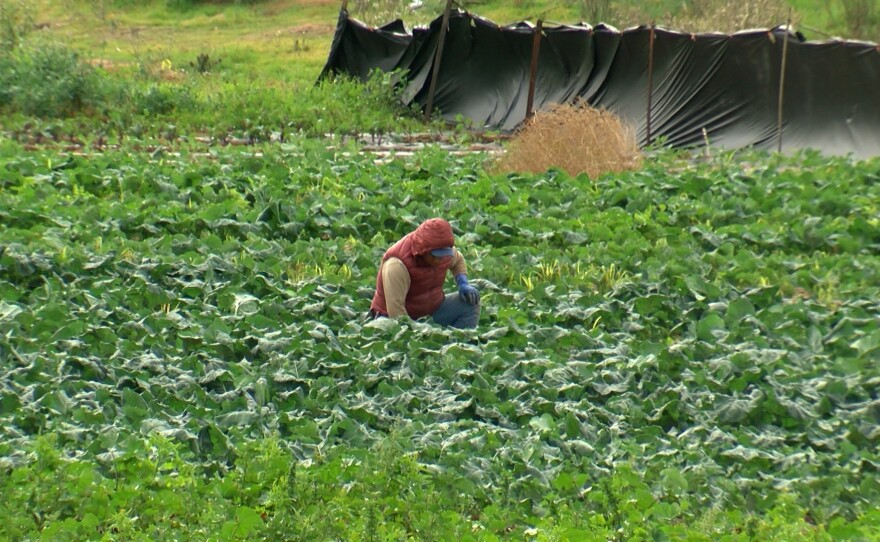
468,293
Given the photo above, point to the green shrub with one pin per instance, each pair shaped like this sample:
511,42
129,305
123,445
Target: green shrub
50,80
348,105
161,99
7,72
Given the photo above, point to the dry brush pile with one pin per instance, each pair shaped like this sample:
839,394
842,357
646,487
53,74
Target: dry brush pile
575,138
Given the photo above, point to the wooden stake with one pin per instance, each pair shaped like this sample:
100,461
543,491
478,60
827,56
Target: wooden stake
444,26
533,69
780,105
650,84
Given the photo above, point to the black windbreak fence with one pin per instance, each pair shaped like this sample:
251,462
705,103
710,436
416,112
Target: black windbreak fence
766,89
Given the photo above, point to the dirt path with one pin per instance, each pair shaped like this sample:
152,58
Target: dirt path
384,147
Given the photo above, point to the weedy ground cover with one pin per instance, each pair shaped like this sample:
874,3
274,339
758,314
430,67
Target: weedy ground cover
153,72
688,350
95,73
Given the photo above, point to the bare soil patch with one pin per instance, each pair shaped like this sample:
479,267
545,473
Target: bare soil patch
310,29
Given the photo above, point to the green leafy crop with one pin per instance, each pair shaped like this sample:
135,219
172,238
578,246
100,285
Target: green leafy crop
689,350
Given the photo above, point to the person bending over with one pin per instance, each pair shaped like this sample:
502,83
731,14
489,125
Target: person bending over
411,277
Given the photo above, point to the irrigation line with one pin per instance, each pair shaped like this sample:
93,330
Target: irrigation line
437,57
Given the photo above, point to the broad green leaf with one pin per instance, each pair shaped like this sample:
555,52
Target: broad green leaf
673,480
734,410
650,304
710,328
868,345
245,305
9,311
544,423
235,419
134,406
737,310
496,333
248,520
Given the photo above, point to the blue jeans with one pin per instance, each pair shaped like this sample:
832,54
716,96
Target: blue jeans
457,313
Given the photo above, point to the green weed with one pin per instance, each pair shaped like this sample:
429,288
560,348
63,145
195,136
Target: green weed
383,493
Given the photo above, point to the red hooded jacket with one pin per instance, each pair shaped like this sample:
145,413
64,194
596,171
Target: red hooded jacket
425,293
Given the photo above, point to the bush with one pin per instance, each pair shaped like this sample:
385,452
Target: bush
161,98
348,105
49,80
7,72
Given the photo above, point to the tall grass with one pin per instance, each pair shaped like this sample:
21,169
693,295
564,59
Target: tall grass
858,19
731,15
16,22
862,19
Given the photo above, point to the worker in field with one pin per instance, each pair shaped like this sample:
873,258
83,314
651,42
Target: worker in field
411,277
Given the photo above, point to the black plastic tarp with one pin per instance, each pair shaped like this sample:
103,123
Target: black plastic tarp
724,90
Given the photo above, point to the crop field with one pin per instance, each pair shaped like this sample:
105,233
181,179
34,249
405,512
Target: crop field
190,230
687,351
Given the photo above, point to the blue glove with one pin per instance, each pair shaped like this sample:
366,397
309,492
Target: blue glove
466,292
